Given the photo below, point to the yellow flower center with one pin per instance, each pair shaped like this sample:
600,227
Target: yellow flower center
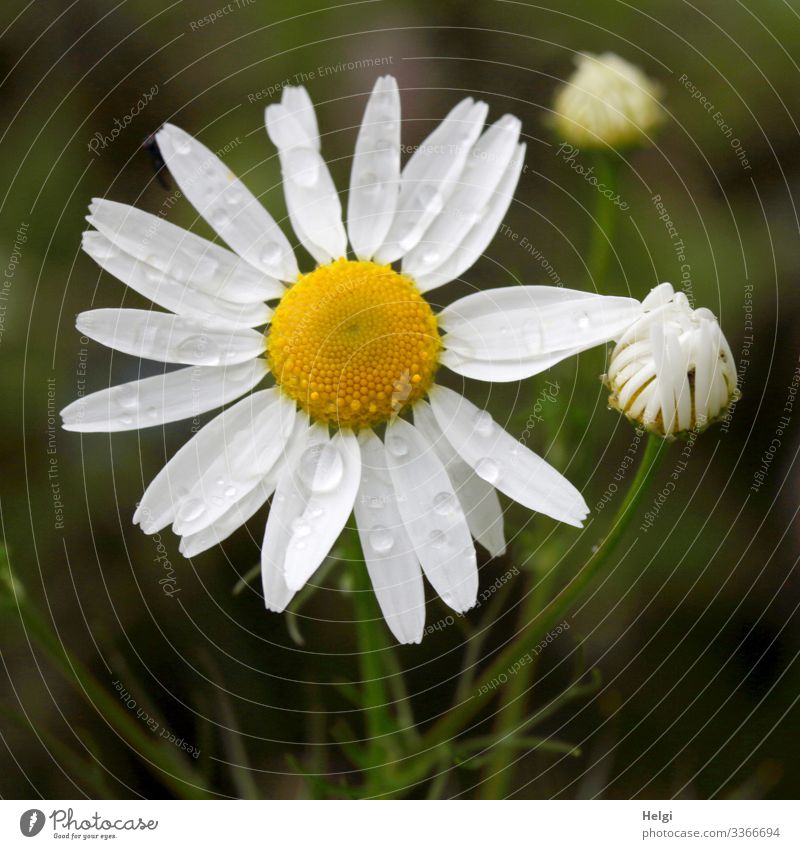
353,343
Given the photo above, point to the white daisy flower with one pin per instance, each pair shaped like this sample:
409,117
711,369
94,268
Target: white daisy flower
351,345
607,102
672,370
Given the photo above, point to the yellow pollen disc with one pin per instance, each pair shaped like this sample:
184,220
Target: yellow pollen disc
353,343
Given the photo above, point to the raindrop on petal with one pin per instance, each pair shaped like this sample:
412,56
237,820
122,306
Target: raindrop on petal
437,538
271,253
488,470
483,423
192,509
397,445
444,503
381,539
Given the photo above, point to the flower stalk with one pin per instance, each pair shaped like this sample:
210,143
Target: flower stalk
458,718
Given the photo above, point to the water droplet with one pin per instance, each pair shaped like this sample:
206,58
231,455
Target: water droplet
180,269
303,166
369,181
383,143
488,470
152,412
183,146
429,257
230,491
125,396
192,509
300,544
271,253
483,423
126,420
397,445
321,467
300,527
444,503
582,320
430,199
200,350
437,538
381,539
315,509
154,275
233,195
219,217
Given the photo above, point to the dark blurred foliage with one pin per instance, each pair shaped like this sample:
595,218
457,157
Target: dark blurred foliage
695,630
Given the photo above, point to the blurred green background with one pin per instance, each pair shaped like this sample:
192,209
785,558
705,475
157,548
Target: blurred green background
695,631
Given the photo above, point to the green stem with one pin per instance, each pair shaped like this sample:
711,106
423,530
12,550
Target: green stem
452,723
600,243
510,717
374,696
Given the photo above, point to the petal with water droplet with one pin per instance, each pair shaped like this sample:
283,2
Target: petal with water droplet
225,202
322,498
171,486
250,449
171,338
375,177
477,497
430,177
168,292
442,542
184,256
164,398
504,462
390,557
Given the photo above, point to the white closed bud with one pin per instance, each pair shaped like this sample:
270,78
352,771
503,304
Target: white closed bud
672,371
607,102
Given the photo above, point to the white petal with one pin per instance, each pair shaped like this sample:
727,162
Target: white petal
510,299
297,102
166,291
182,255
481,233
227,204
672,366
375,178
486,164
311,197
164,398
287,504
249,451
430,177
230,521
705,358
171,338
329,474
503,461
432,514
553,325
503,371
478,499
172,484
391,561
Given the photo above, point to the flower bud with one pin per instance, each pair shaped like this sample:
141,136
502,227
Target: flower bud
672,371
607,101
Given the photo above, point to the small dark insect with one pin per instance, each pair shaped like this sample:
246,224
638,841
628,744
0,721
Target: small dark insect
159,166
